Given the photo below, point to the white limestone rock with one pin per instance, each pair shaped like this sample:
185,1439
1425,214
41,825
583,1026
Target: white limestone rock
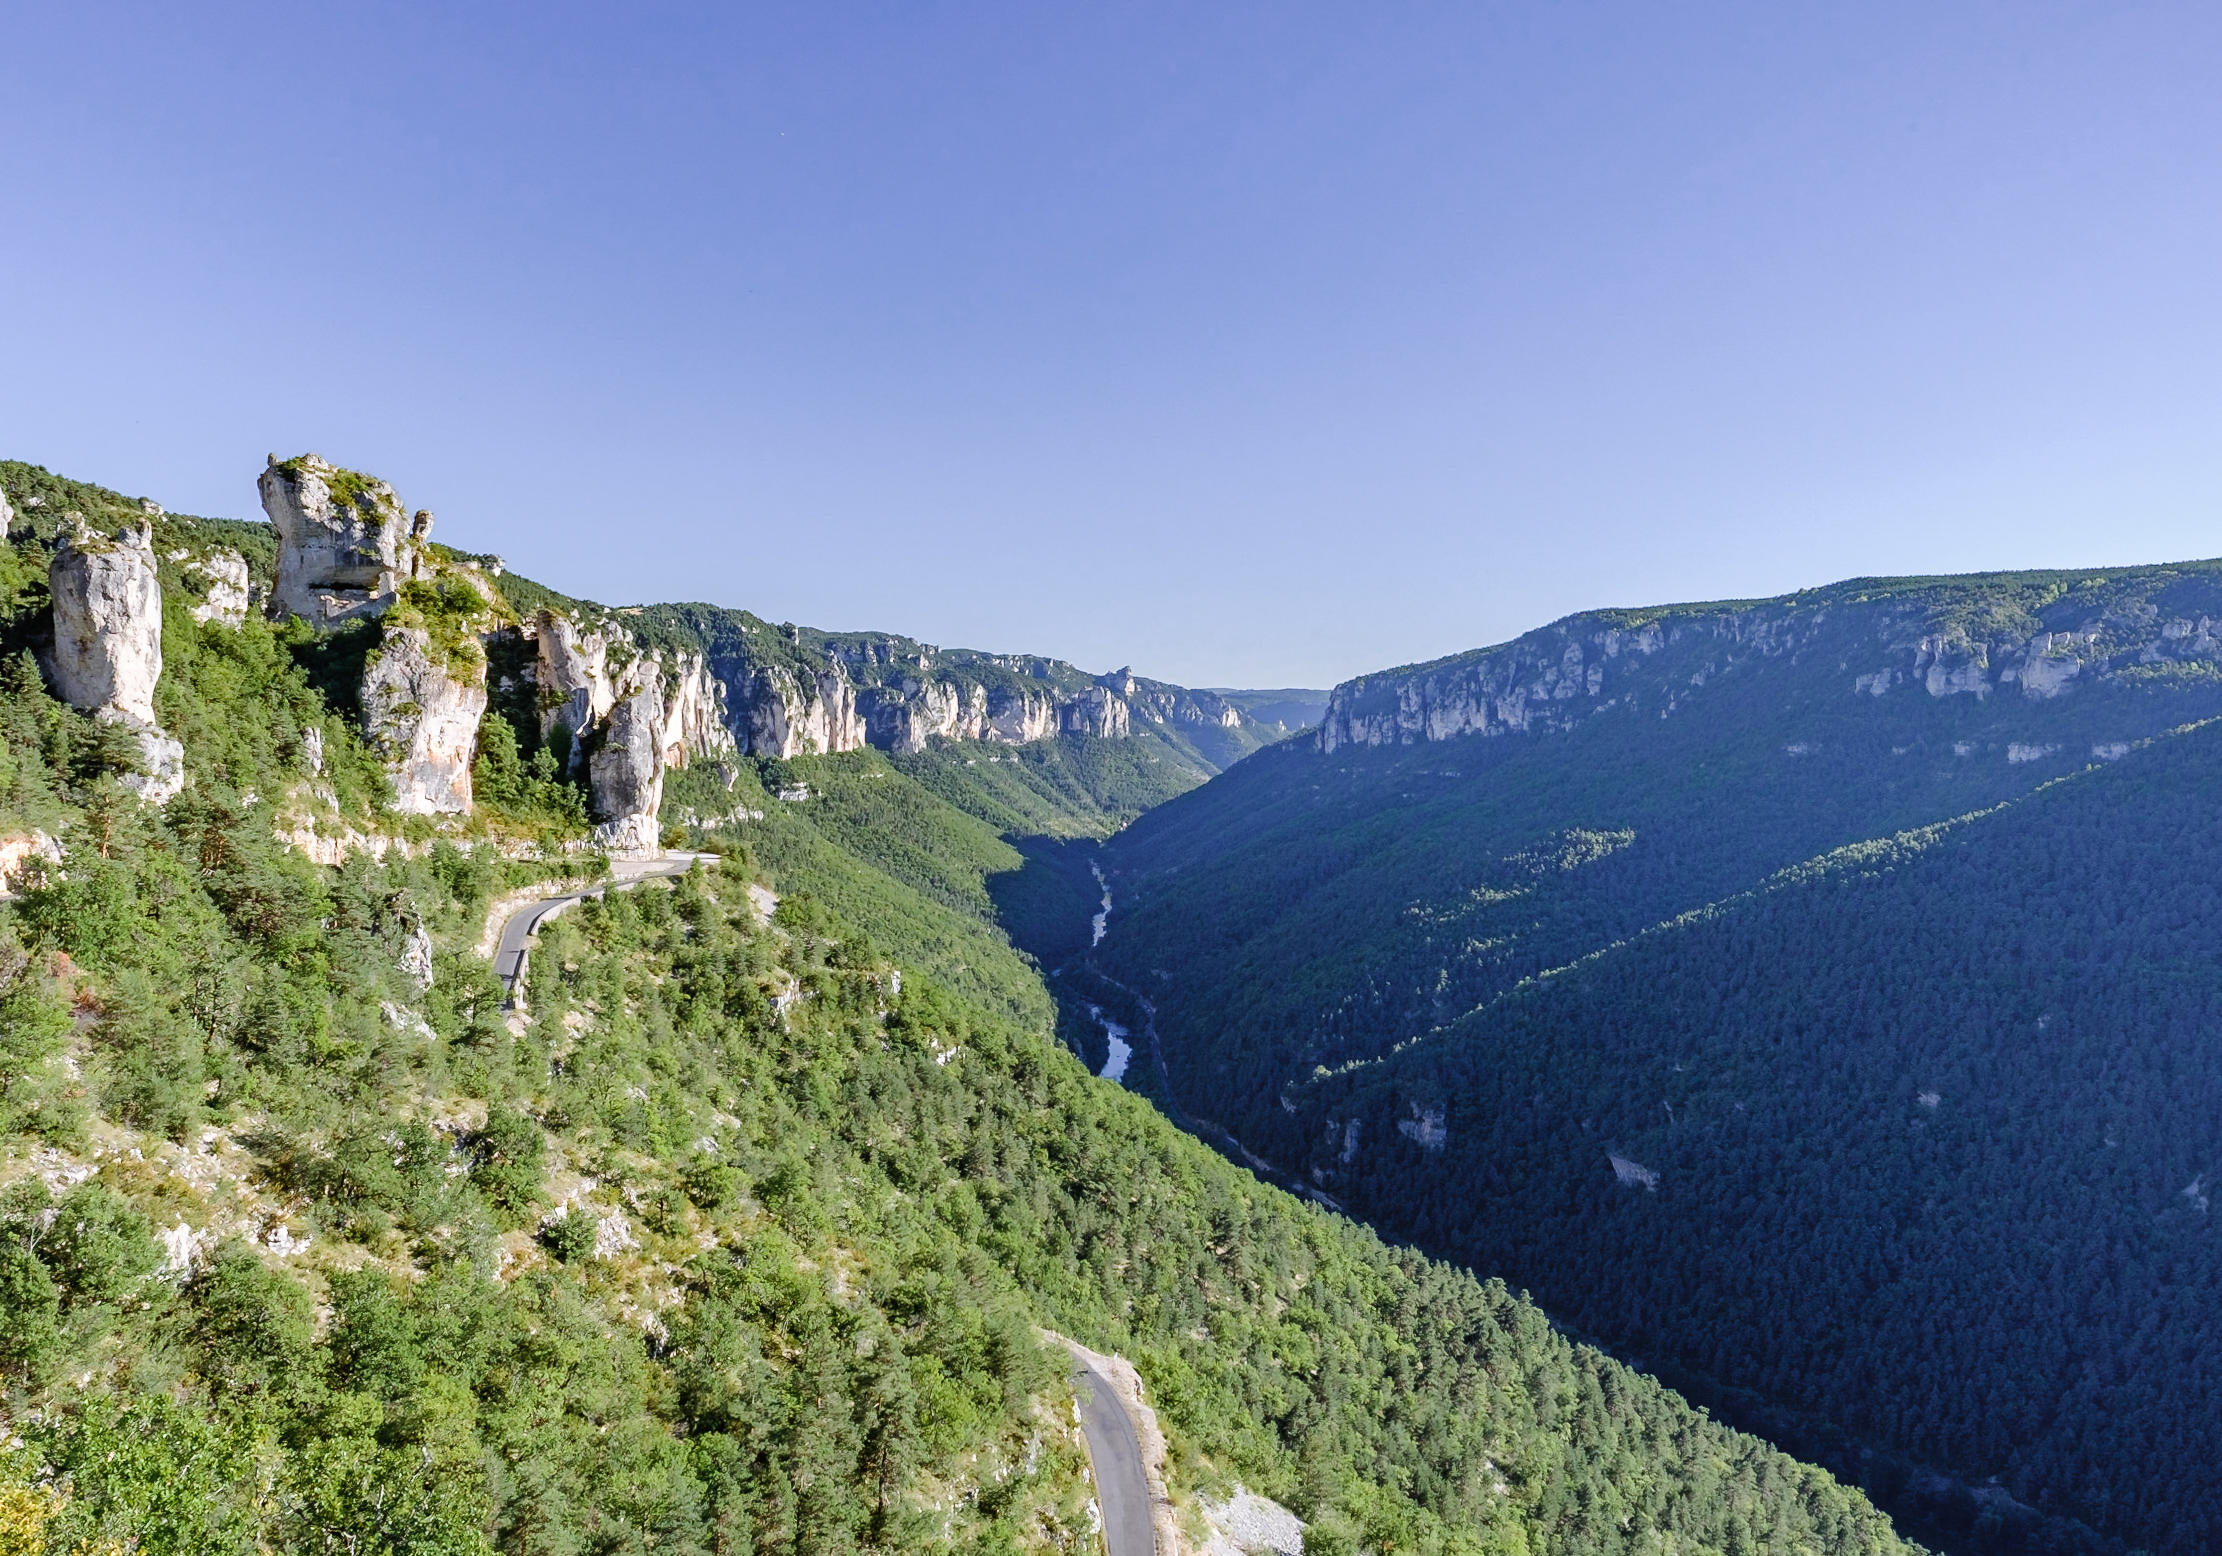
107,623
7,515
784,713
627,772
576,689
1097,711
1521,686
1015,718
694,714
1954,663
1633,1173
16,853
422,713
416,953
229,587
1424,1128
163,758
107,654
901,716
345,544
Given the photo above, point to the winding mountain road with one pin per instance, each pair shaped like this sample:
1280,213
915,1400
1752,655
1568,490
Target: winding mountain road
525,920
1122,1491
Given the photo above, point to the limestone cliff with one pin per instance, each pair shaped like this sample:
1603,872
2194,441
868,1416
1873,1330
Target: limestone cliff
627,769
421,708
695,717
792,691
784,712
347,550
107,654
2038,638
627,714
572,672
345,544
1097,711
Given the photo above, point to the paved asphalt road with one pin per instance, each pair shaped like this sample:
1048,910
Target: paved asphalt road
1121,1491
524,922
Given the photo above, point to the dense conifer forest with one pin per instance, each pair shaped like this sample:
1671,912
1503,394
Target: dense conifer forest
1844,1057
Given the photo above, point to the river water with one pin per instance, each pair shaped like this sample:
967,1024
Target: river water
1114,1068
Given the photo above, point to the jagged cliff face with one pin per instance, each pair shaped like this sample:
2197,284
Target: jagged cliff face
344,541
576,692
790,690
108,644
638,713
783,712
2036,639
1097,711
695,717
627,770
421,708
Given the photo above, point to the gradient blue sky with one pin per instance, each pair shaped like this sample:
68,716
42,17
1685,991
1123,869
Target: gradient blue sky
1248,344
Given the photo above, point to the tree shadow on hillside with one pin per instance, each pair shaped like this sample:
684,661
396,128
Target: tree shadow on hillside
1047,905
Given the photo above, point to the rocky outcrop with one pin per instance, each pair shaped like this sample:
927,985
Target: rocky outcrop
629,715
1016,717
694,727
1173,704
783,712
901,716
7,515
345,544
108,645
1097,711
16,853
421,711
229,589
627,771
107,623
1499,691
2049,635
572,672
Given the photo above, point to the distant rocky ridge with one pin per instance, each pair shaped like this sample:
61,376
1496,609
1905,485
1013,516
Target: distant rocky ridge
2035,636
794,690
621,695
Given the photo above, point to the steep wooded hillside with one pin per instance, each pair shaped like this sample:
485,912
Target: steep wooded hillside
1337,909
738,1233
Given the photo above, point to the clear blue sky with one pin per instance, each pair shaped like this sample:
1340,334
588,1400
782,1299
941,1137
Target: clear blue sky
1249,344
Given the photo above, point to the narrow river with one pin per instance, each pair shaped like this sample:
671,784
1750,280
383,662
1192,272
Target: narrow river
1114,1068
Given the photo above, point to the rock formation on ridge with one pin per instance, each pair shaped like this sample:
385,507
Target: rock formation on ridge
1885,635
627,771
345,549
626,715
108,644
344,541
421,710
784,713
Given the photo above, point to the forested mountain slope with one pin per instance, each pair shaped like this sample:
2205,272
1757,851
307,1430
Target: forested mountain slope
1461,829
1917,1138
737,1235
